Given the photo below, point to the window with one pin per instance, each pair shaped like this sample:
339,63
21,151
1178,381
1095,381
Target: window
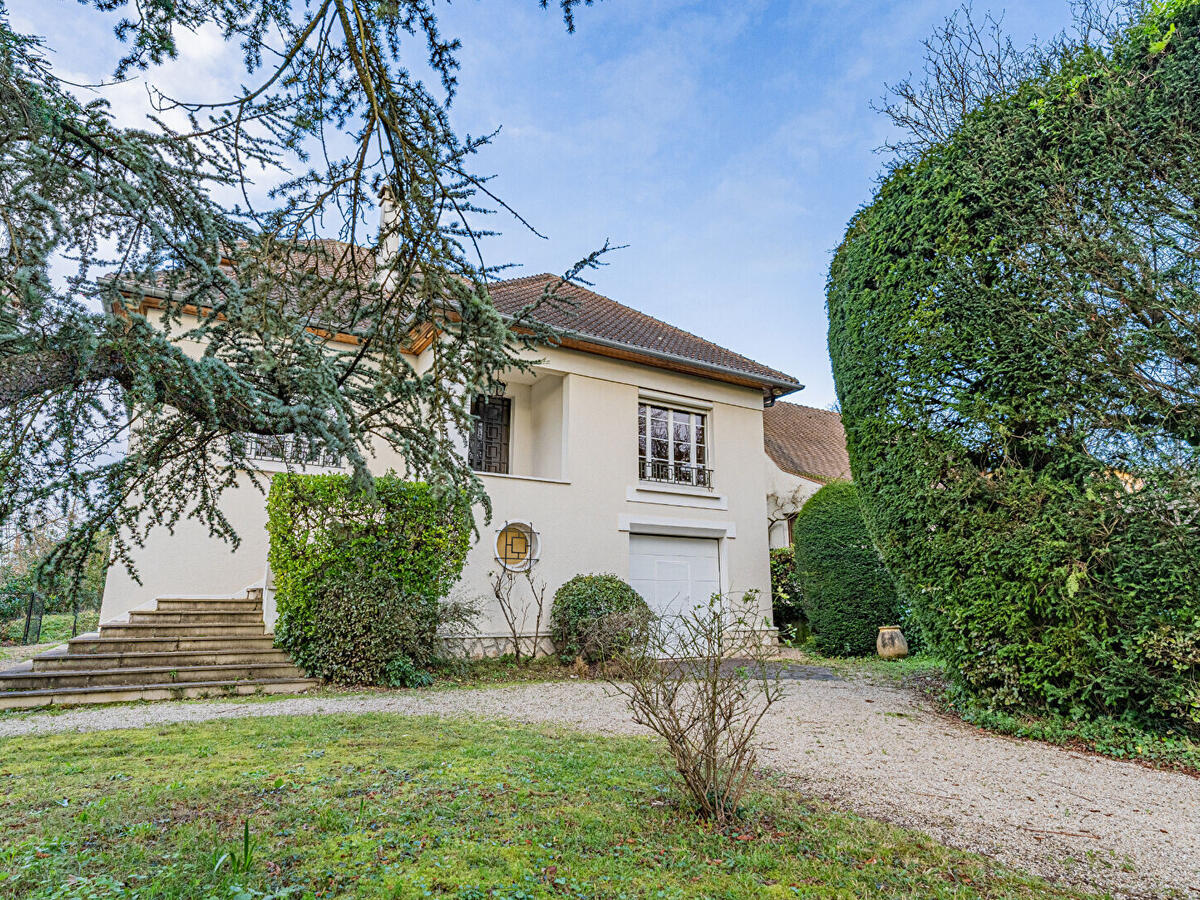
517,546
488,451
673,446
294,449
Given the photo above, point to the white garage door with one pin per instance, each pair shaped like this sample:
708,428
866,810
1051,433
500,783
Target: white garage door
674,574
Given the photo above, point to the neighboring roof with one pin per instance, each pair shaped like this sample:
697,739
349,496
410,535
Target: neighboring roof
594,316
806,441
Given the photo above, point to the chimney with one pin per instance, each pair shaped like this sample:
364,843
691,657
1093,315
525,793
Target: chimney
389,240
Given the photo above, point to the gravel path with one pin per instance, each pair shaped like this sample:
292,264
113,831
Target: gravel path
880,751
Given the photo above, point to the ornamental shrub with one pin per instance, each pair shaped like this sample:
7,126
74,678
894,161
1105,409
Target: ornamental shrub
360,580
1014,323
847,591
595,616
787,598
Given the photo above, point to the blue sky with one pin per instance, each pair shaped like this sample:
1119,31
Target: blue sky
727,143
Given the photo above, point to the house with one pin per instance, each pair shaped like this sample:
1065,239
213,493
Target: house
805,449
631,447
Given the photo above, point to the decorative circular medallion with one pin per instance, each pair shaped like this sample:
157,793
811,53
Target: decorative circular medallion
517,546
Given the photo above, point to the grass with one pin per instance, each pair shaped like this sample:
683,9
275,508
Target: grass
502,670
1106,736
12,654
56,627
391,806
914,667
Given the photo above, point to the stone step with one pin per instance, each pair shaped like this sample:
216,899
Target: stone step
167,630
209,604
23,680
188,617
59,659
93,643
124,693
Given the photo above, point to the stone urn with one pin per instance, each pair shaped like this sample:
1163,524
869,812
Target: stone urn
891,643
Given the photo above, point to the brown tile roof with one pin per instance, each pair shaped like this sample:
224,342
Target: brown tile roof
325,257
585,314
806,441
592,315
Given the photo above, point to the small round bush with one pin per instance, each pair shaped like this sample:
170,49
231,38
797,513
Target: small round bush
848,593
593,616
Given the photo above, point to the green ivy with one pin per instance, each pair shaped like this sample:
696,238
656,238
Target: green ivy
1013,329
787,598
847,591
358,579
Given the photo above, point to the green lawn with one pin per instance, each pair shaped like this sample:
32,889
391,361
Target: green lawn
918,665
56,629
393,806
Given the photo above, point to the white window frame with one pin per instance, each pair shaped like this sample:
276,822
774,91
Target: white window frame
647,403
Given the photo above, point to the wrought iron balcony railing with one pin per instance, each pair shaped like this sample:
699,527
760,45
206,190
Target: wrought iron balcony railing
664,472
290,448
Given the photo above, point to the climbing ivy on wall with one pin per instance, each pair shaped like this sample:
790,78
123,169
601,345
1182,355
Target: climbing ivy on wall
359,579
1015,335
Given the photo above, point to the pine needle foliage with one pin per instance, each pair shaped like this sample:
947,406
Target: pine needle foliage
1014,323
104,413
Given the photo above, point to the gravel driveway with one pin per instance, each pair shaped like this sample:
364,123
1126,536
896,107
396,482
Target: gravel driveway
880,751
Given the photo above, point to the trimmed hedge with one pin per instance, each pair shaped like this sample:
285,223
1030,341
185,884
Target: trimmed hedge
592,615
1013,330
359,580
848,593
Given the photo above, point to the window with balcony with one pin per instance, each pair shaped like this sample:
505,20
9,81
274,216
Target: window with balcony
290,449
488,450
673,446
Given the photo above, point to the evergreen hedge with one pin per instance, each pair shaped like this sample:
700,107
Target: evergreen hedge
359,580
593,615
1014,323
847,591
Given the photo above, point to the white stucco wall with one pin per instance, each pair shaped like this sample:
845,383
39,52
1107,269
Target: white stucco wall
785,494
584,500
189,561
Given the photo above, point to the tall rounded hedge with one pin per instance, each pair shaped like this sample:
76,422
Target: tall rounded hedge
1014,324
847,591
359,579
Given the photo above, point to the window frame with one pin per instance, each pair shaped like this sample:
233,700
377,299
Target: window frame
477,438
698,463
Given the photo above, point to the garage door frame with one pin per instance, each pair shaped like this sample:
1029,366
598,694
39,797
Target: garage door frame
723,532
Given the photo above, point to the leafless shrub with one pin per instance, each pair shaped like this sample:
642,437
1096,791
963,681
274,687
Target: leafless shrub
971,57
458,619
702,682
516,613
608,636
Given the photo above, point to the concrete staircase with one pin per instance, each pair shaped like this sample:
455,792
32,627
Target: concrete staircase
184,648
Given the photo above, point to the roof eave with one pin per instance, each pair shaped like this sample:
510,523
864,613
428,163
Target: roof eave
784,386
